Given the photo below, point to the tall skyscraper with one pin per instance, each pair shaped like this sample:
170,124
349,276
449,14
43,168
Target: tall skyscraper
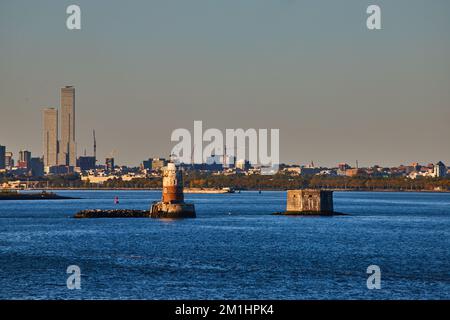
2,157
50,136
67,145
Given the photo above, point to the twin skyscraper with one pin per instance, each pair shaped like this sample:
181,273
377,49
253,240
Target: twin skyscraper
62,152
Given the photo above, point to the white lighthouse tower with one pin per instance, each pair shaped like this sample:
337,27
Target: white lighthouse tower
172,204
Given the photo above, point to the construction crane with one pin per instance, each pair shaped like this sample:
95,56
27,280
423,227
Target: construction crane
95,147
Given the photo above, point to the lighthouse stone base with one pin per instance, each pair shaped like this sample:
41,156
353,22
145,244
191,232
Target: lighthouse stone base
172,210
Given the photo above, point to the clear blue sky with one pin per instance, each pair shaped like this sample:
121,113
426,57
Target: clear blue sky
337,91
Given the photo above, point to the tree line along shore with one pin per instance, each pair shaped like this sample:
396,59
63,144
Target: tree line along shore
278,181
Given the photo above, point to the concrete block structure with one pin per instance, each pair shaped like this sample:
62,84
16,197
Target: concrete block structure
309,202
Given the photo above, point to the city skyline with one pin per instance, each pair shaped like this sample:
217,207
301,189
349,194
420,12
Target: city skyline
59,142
58,134
337,92
225,158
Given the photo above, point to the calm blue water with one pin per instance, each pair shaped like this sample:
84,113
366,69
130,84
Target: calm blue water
234,250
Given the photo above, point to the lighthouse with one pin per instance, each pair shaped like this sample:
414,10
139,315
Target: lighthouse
172,184
172,204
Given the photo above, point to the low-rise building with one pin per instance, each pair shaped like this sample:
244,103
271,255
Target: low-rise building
158,163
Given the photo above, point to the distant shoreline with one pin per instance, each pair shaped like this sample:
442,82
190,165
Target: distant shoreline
237,190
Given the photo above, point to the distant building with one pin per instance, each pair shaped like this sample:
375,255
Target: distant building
36,167
213,163
242,165
97,179
24,156
50,136
22,165
208,167
292,170
415,167
109,162
305,171
439,170
57,170
2,157
9,161
86,163
327,172
354,172
147,164
158,164
229,161
343,166
24,159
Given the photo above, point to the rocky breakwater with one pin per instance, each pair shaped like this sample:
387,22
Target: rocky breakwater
14,195
118,213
